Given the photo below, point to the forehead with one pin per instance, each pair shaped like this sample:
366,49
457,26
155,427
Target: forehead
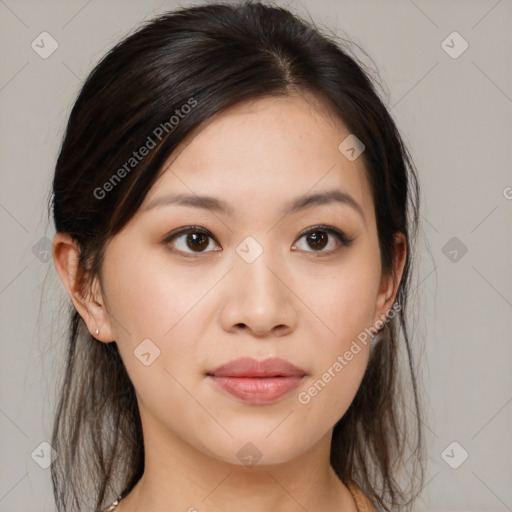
279,148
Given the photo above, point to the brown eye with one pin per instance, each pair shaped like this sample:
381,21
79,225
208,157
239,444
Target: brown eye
197,241
319,237
190,240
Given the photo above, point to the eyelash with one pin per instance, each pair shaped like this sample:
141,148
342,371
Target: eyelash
339,235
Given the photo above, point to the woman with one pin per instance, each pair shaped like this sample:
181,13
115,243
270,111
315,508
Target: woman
235,211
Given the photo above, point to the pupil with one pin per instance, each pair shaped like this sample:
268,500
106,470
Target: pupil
201,237
314,238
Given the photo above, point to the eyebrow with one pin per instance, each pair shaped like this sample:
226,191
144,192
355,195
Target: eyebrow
220,206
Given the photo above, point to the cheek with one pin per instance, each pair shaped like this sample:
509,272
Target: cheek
339,359
148,298
164,307
345,302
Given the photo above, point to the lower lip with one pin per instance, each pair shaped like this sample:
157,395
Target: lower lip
257,390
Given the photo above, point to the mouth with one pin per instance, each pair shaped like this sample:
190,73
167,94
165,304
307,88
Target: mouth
257,382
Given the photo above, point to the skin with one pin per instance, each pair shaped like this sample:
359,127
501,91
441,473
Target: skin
291,302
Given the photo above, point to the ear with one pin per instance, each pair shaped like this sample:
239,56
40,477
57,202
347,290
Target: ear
389,283
88,302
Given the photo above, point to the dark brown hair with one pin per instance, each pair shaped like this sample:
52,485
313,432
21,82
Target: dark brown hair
211,57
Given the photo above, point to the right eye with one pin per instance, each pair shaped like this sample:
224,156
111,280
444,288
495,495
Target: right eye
193,238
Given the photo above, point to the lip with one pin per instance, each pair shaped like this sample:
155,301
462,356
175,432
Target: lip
257,382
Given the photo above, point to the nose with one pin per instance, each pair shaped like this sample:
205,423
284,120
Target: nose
259,299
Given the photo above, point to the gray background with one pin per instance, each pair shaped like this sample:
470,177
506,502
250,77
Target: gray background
455,116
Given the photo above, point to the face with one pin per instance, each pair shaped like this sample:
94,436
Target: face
190,287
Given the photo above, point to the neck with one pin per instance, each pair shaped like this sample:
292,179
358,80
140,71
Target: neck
177,476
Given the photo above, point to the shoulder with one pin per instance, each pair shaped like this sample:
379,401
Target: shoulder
363,503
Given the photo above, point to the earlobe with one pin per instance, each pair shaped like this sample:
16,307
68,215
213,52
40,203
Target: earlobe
88,303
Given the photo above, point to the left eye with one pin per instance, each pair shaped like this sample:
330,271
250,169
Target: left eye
318,237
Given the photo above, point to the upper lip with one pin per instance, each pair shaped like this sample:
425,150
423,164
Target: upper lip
250,367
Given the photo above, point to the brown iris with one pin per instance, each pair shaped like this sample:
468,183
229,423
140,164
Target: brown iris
197,241
317,239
